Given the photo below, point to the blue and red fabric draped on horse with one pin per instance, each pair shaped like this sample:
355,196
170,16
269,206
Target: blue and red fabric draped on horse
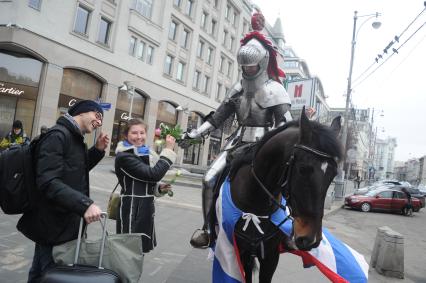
336,260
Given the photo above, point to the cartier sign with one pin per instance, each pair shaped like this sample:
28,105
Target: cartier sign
10,90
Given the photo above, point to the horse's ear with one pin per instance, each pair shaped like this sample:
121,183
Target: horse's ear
305,128
336,125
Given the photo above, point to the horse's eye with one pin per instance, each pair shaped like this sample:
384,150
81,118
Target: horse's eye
305,170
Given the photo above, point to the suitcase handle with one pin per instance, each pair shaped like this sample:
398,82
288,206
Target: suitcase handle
104,216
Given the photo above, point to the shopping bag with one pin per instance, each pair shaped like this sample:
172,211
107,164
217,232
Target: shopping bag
113,204
122,253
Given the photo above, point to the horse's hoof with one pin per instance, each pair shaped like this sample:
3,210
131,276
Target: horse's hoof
200,239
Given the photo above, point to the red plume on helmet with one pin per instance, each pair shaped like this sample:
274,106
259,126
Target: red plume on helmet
273,70
257,21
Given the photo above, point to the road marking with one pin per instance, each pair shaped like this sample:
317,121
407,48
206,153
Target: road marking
162,201
155,271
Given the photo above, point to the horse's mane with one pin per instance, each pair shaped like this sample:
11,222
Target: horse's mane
326,138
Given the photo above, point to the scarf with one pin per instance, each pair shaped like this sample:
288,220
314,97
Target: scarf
141,150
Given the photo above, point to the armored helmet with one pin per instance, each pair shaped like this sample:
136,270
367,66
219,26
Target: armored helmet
253,54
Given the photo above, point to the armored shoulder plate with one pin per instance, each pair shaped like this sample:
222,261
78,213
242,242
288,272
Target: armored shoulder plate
272,93
234,90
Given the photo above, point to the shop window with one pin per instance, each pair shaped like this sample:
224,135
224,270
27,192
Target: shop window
121,115
19,82
192,154
215,145
81,20
78,85
167,114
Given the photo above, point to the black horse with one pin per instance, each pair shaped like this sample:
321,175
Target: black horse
297,161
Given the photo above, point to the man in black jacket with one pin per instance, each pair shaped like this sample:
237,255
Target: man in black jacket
62,177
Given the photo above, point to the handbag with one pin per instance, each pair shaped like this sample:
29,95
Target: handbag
121,253
113,204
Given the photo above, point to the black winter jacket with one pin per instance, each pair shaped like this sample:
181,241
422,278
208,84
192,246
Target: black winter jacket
62,177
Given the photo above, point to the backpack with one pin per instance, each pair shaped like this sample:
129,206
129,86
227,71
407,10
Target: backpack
17,176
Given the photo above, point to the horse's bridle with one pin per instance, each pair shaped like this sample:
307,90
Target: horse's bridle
284,181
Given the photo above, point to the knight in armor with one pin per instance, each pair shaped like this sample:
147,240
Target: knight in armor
259,102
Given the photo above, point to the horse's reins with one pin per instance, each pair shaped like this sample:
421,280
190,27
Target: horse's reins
285,191
285,178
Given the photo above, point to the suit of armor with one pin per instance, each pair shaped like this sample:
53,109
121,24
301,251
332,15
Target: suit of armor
259,103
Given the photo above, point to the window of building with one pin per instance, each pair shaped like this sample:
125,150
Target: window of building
104,31
189,7
19,88
225,36
177,3
231,43
215,3
81,20
180,71
234,18
218,91
140,50
168,63
172,30
200,49
144,7
206,84
245,27
185,38
196,80
203,20
221,63
192,154
227,12
213,27
229,72
132,45
150,55
166,114
35,4
122,114
209,55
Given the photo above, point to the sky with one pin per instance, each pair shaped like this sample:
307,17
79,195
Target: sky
320,32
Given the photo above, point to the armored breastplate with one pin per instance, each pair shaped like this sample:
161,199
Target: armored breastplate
251,114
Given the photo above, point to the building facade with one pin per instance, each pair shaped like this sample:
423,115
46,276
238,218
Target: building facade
384,158
166,53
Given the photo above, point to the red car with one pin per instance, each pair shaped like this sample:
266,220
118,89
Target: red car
383,199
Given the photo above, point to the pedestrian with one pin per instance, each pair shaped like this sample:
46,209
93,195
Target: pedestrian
62,183
43,129
139,171
358,181
408,208
16,136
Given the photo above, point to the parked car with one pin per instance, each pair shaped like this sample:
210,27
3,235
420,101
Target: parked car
422,189
364,190
414,192
383,199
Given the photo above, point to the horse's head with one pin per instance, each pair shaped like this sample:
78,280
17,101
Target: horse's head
312,167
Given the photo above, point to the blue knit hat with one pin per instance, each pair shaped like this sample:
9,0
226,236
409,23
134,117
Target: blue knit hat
84,106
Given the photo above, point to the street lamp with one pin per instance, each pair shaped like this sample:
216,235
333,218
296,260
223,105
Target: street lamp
128,85
376,24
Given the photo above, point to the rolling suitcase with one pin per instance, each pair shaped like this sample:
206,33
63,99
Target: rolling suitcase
77,273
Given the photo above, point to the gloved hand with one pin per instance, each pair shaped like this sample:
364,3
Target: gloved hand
186,139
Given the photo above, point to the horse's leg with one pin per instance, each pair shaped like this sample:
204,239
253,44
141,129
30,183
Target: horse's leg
268,266
247,263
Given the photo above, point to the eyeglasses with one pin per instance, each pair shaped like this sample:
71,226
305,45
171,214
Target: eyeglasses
98,116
